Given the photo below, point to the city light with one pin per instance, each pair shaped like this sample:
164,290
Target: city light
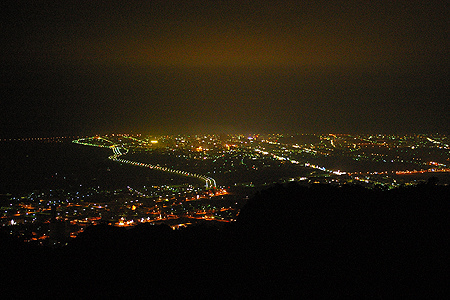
217,167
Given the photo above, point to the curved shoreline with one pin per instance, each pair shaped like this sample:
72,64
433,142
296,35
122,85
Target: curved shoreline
210,183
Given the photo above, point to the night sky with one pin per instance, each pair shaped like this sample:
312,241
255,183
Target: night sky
174,67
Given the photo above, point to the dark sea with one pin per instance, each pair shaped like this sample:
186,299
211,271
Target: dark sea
26,166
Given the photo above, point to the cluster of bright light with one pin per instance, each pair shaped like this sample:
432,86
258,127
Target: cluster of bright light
122,222
316,167
437,142
281,158
304,149
422,171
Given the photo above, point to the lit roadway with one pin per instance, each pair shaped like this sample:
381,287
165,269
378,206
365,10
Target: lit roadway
119,151
304,149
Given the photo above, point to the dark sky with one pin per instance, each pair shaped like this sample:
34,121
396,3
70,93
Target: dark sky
157,67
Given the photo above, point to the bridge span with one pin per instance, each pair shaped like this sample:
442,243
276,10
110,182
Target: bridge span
118,151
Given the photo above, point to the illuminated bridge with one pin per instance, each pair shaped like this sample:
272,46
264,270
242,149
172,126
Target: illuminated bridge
119,151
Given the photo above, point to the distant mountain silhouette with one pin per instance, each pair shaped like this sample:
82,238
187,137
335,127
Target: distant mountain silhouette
288,240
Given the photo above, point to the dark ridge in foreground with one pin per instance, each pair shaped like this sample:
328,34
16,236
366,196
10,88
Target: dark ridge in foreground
288,241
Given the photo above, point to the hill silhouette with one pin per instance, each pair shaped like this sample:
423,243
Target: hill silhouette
288,240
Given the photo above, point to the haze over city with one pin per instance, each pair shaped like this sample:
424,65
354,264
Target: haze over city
164,67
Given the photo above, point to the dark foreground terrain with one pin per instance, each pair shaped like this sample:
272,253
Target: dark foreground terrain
288,241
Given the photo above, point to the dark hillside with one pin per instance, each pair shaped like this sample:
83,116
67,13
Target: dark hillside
288,240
